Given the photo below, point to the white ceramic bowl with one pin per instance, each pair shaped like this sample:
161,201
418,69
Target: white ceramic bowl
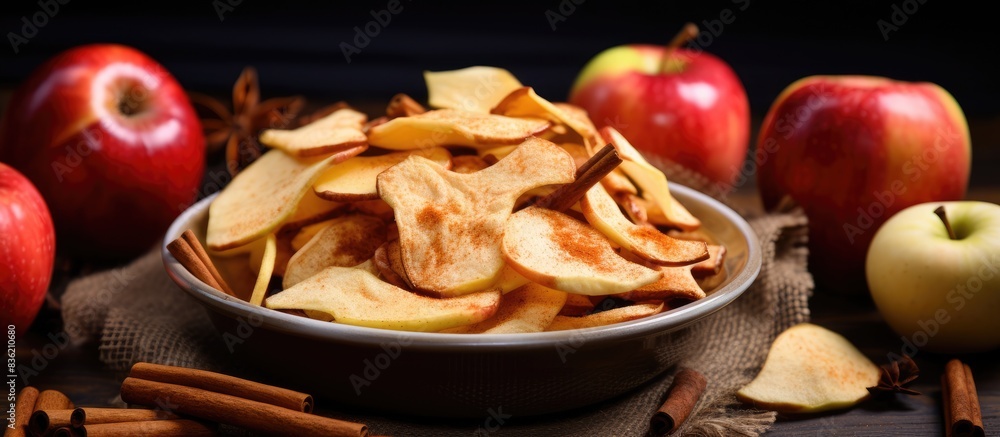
432,374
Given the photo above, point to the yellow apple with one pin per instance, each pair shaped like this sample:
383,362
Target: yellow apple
940,292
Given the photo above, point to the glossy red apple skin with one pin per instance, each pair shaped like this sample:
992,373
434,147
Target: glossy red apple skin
839,143
27,249
698,117
113,182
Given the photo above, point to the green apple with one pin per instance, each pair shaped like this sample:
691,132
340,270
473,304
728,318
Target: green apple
935,275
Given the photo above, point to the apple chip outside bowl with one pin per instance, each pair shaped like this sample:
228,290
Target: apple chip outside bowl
435,374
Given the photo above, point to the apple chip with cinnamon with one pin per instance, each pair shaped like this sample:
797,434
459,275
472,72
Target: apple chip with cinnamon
453,127
462,219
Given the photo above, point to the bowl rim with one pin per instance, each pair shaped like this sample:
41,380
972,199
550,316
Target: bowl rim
667,321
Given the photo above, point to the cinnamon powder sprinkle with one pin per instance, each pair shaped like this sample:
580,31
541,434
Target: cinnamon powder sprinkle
579,245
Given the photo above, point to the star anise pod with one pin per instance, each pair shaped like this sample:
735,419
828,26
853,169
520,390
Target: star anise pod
895,376
237,130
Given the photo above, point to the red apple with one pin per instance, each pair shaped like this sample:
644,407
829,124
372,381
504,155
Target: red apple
682,105
112,143
853,151
27,249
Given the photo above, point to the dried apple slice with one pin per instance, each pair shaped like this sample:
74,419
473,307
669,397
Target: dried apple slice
389,262
617,184
468,164
709,283
810,369
326,317
530,308
307,233
403,105
476,89
450,127
712,265
494,154
604,318
357,297
696,235
283,251
264,274
554,250
651,180
524,102
375,208
451,224
338,131
580,122
262,196
312,209
346,242
354,179
244,249
676,283
647,242
576,305
510,280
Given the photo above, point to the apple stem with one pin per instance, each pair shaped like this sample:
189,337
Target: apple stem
690,30
944,218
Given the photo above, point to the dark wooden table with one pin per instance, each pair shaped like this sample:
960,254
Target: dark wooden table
76,370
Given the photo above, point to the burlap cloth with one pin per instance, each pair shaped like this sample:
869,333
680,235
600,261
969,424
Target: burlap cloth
136,313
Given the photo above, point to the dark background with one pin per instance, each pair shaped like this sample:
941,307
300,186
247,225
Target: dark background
296,46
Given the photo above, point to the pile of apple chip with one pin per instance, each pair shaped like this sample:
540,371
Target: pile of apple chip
456,219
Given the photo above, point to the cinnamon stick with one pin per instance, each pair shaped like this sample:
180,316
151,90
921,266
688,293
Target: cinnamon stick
159,428
683,394
52,400
44,422
186,255
963,416
96,416
224,384
68,431
588,174
232,410
25,405
202,254
979,429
